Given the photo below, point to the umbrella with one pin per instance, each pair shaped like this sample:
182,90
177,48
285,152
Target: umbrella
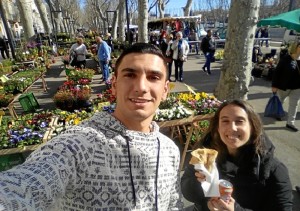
290,20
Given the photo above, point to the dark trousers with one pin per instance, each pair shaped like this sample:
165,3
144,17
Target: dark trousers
4,50
80,64
208,57
178,65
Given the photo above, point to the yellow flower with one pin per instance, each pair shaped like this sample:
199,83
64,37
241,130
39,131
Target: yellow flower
76,121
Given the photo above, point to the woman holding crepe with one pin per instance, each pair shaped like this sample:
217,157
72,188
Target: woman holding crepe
245,159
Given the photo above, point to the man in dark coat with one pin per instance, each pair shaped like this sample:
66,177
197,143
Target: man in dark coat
4,48
208,48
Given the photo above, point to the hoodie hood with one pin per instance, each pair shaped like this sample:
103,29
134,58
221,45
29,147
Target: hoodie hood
116,127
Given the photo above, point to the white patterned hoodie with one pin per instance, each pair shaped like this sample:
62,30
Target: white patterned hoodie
98,165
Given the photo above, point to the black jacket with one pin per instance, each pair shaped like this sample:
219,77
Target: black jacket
287,74
207,45
260,182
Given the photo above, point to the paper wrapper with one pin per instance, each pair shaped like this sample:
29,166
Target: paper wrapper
211,185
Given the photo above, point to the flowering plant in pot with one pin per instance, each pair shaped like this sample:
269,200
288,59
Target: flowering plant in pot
64,99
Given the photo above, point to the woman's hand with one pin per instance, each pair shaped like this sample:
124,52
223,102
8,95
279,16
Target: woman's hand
217,204
200,176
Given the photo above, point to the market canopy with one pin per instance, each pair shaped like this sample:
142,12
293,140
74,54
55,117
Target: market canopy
290,20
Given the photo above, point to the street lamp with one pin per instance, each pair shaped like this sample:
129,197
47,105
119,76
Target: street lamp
108,11
127,16
52,20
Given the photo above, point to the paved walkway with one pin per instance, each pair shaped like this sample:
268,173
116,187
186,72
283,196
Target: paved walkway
287,143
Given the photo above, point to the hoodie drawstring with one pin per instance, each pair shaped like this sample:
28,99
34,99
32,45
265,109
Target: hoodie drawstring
156,174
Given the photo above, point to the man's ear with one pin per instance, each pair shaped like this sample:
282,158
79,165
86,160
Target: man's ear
166,91
114,85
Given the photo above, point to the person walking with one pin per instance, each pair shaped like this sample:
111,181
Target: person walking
104,52
4,48
79,51
180,49
245,159
286,82
208,49
113,161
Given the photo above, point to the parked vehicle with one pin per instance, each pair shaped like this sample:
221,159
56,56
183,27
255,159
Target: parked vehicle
220,33
290,36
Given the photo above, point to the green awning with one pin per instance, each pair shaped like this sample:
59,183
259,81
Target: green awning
290,20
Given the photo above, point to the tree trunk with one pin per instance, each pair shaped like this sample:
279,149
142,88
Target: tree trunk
25,9
161,8
121,21
43,14
143,21
236,69
114,25
187,8
292,5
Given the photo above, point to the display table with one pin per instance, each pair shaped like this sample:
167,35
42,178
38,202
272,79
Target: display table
190,125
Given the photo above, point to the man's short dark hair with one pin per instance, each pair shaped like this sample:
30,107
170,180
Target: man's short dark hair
144,48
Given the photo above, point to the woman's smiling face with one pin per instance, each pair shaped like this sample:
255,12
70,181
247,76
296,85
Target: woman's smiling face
234,128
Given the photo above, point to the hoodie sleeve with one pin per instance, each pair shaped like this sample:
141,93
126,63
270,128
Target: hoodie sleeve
36,184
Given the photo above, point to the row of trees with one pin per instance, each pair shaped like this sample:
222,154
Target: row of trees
100,14
243,17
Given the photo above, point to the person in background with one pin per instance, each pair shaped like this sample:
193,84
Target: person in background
113,161
153,38
104,52
265,34
286,82
208,49
4,48
245,159
194,37
80,50
180,49
169,54
109,41
39,43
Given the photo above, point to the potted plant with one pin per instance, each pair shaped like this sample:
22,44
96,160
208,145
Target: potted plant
64,99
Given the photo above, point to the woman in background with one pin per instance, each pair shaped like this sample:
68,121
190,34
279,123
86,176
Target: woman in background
169,55
79,50
180,49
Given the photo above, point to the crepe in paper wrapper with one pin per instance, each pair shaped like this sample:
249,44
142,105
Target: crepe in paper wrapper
204,161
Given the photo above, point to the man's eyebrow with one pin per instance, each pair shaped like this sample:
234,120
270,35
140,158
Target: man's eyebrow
127,70
131,70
